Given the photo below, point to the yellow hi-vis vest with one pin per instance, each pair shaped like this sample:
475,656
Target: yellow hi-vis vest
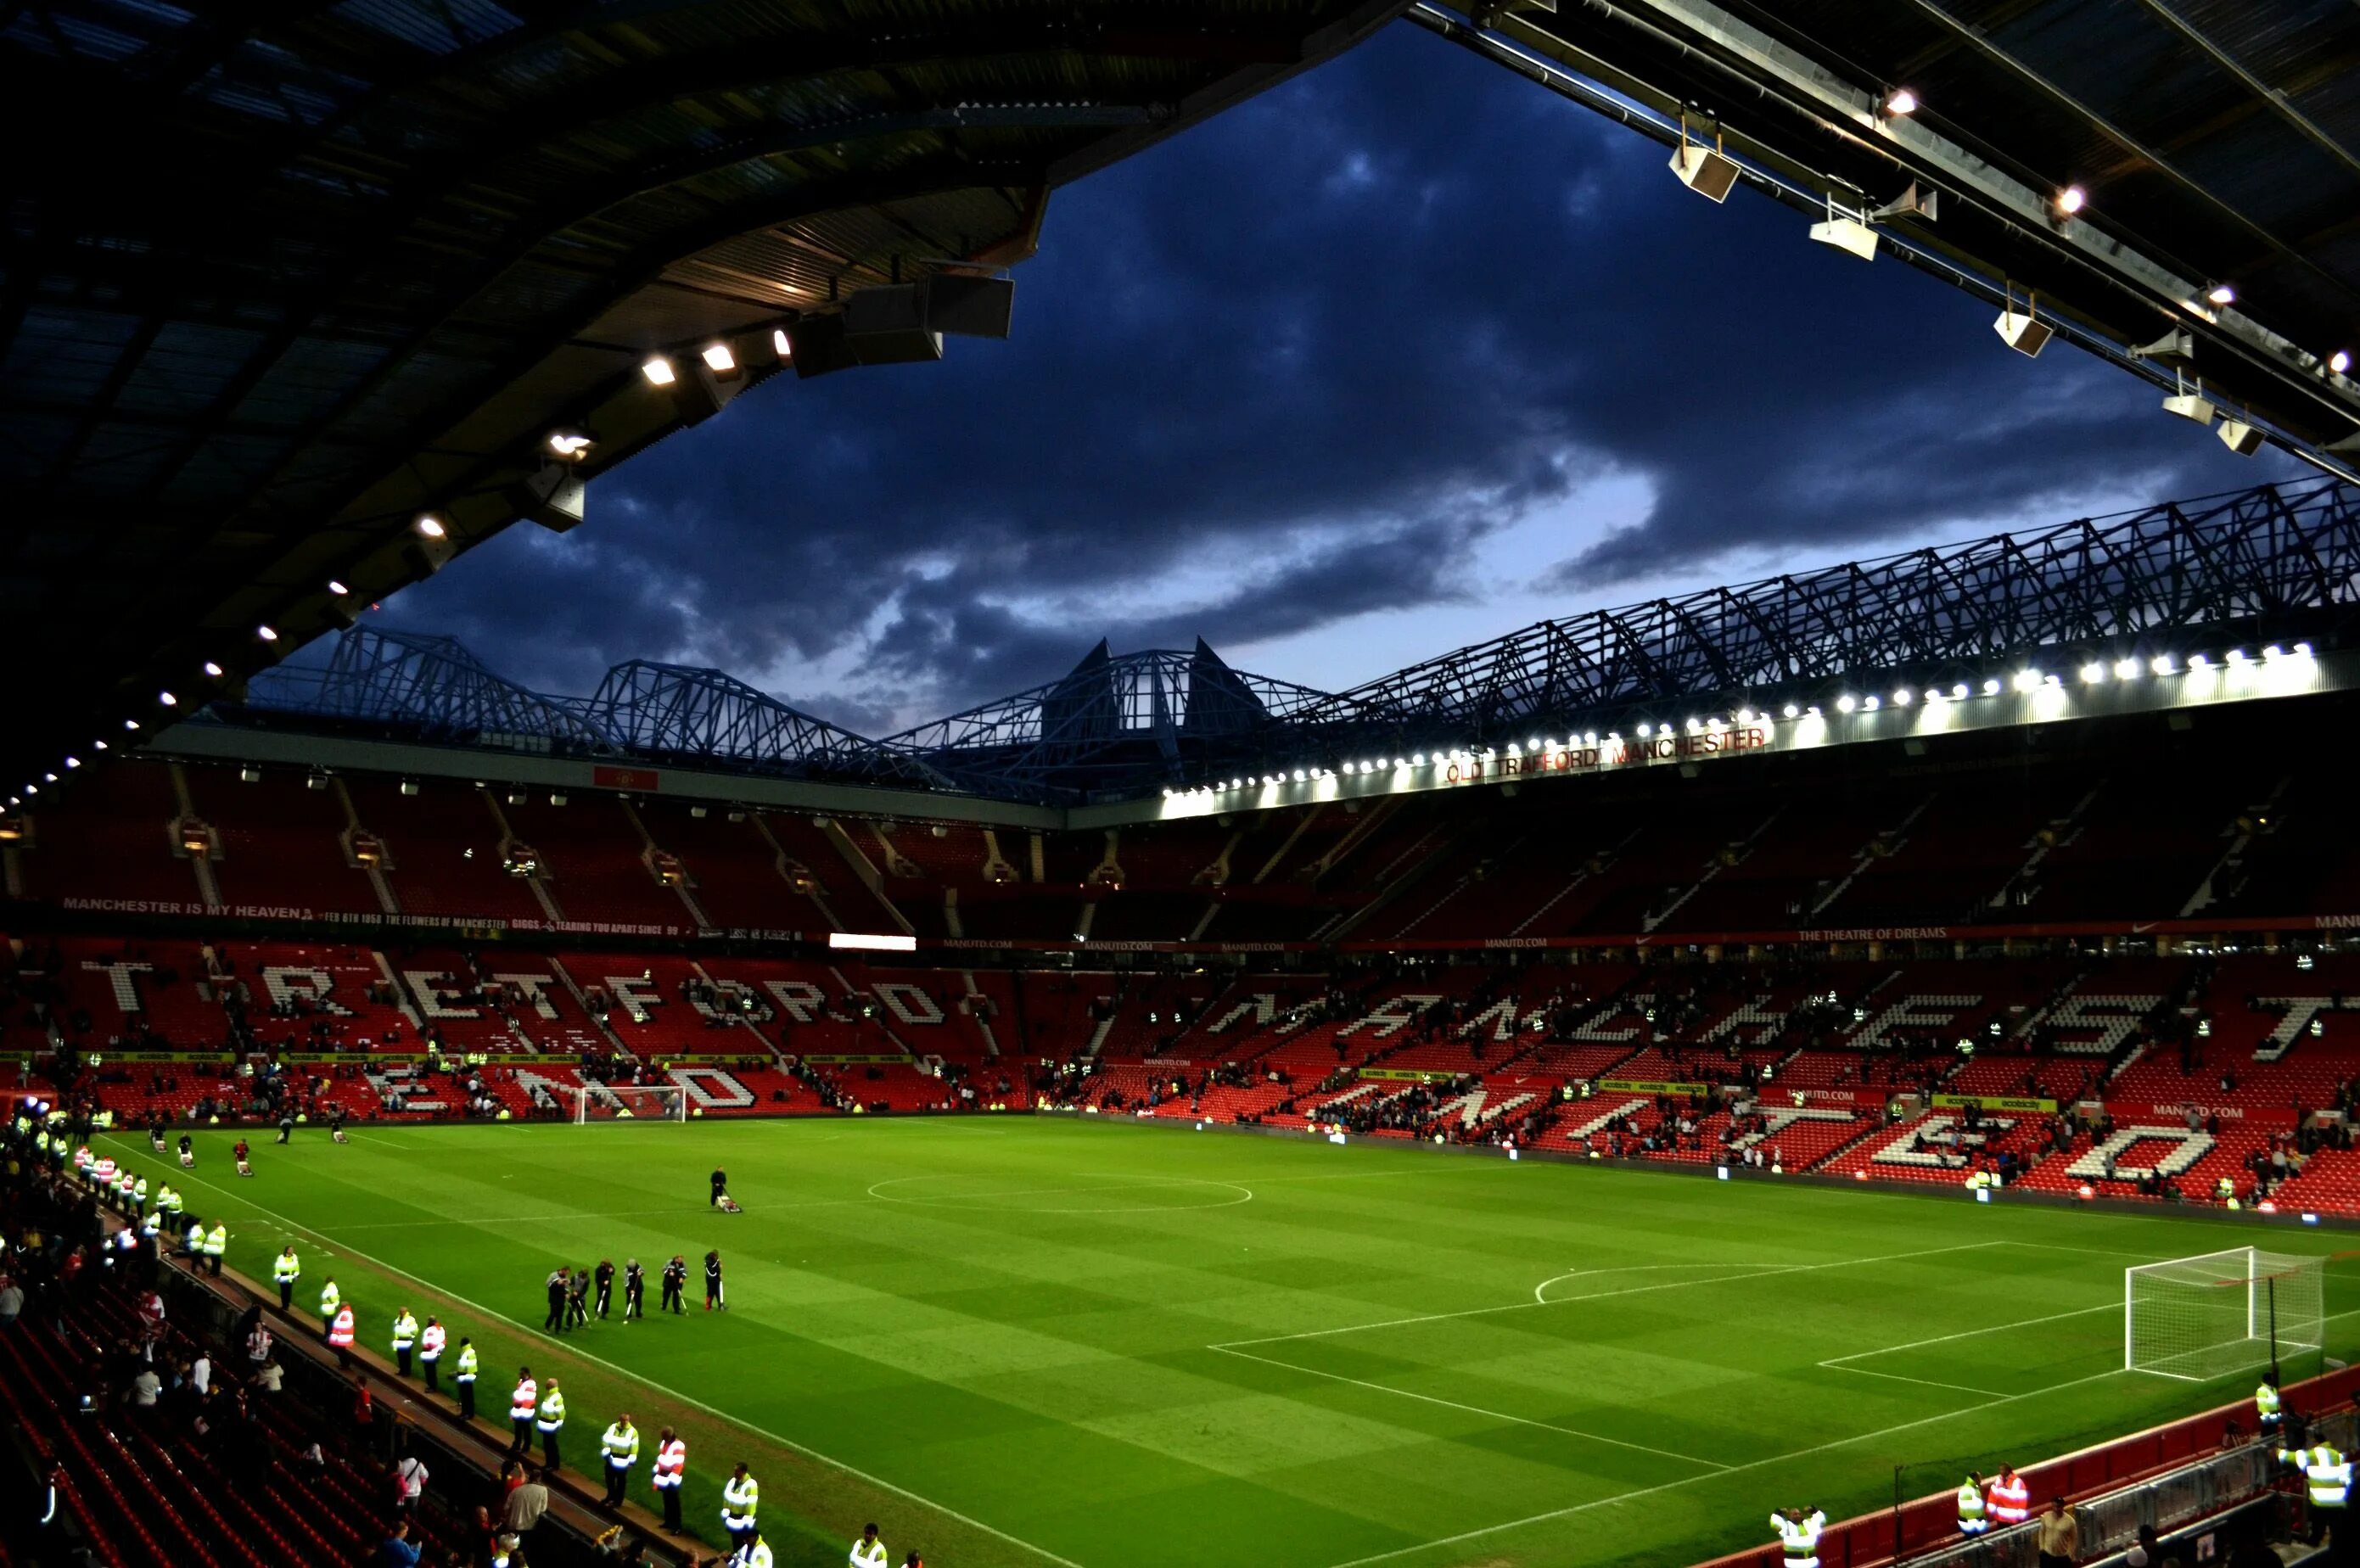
465,1364
552,1412
622,1445
217,1242
1799,1539
1971,1510
867,1555
757,1555
287,1269
2324,1470
2266,1401
740,1499
405,1332
330,1299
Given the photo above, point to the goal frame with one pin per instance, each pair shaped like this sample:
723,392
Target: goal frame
672,1097
2259,1274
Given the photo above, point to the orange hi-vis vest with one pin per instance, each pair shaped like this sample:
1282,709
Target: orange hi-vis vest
2010,1503
340,1332
672,1459
525,1401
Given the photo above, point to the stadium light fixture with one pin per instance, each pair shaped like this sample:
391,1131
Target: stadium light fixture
1846,704
2340,361
1645,730
571,444
718,359
212,671
659,371
2052,681
73,761
1791,711
1589,737
98,745
1812,711
32,788
131,723
337,588
2273,653
2072,200
266,632
2302,650
167,699
429,525
2126,670
1960,691
782,344
2236,655
2092,673
2028,680
1869,705
2162,664
1902,698
1991,686
49,777
1399,763
1899,103
2197,661
2221,294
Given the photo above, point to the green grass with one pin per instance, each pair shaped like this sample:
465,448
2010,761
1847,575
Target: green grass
1025,1341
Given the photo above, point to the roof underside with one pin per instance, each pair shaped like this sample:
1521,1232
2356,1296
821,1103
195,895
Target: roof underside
277,278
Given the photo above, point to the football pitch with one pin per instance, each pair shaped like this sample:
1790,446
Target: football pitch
1023,1341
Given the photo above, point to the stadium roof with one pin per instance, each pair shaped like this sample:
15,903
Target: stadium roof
281,278
2213,143
2277,562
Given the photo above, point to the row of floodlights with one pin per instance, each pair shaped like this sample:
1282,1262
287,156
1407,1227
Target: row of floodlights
1710,173
2097,672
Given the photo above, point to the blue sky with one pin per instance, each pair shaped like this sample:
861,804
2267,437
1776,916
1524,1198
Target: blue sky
1400,356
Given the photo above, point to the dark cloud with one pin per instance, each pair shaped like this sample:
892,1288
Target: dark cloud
1296,366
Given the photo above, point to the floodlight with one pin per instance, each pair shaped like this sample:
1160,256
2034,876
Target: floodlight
1791,711
718,358
131,723
1901,699
1991,686
1418,760
1645,730
430,525
1869,704
212,670
2092,673
1899,101
1959,691
2161,664
2221,294
570,443
337,588
1590,738
2126,670
1846,704
2028,680
2339,361
783,344
2236,655
167,699
2198,661
659,371
73,761
98,744
2302,650
1300,776
266,633
2239,437
1399,762
1706,170
2071,200
50,778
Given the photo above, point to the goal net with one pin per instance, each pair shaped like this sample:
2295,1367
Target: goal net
2222,1313
630,1102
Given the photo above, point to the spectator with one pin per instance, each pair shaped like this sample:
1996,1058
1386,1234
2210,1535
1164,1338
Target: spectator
268,1377
525,1506
12,1301
145,1387
410,1479
398,1551
2059,1535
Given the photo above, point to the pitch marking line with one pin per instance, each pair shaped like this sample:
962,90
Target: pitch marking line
787,1442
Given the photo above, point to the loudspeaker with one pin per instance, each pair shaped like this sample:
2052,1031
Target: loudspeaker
1847,235
2027,334
887,326
966,306
2239,437
2191,406
1705,171
554,496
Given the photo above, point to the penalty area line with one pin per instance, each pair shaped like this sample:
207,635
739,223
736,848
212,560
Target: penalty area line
531,1333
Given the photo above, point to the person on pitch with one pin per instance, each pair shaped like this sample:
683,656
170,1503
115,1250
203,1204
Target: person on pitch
605,1283
635,1291
675,1283
720,1186
712,1293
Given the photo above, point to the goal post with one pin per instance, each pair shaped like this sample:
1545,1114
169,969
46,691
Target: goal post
630,1102
2218,1313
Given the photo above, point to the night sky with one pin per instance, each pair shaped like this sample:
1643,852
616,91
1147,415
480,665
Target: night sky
1400,356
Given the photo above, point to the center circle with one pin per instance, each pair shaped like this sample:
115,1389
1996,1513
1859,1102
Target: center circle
1134,1195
